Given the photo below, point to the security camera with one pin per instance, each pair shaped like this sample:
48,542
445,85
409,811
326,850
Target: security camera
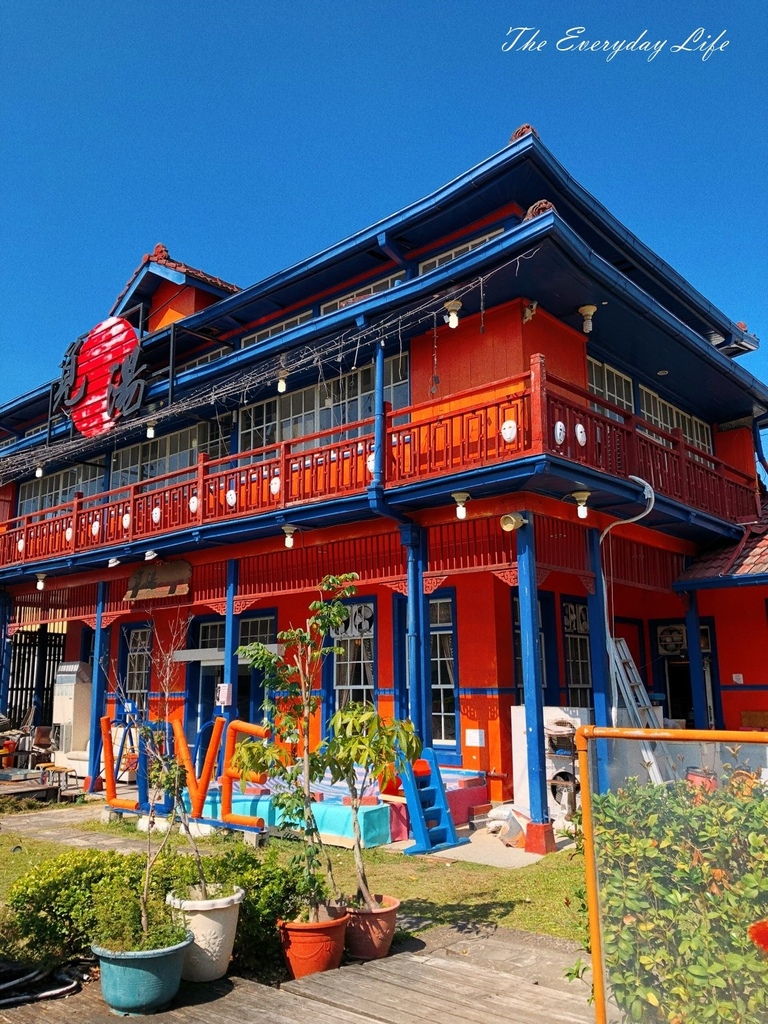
529,310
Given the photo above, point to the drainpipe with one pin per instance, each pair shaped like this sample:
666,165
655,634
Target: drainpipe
414,539
98,686
758,442
229,676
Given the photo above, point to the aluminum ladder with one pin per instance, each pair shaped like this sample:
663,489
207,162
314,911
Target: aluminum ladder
658,760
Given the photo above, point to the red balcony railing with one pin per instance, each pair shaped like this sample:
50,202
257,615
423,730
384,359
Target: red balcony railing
522,416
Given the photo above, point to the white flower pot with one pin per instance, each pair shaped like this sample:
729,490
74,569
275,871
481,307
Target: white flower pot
213,922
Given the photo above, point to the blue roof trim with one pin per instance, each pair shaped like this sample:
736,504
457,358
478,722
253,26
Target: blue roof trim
722,583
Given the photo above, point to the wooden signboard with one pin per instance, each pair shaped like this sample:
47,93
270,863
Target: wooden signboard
164,579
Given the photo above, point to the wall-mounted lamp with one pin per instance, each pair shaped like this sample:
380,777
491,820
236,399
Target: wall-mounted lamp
151,430
38,471
40,581
289,531
461,498
282,382
587,312
581,498
452,307
512,522
529,311
113,563
150,556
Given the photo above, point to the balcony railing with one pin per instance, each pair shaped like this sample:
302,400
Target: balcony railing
522,416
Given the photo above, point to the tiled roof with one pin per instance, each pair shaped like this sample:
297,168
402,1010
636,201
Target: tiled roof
161,256
747,557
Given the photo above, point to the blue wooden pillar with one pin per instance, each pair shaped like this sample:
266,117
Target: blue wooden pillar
412,536
231,641
6,650
539,835
696,664
98,684
598,655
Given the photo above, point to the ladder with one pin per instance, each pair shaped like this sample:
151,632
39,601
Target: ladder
430,817
658,760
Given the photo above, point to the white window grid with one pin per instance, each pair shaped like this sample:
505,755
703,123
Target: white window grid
353,664
668,417
202,360
260,628
443,673
578,666
459,250
611,385
59,488
138,667
274,329
364,292
168,454
331,403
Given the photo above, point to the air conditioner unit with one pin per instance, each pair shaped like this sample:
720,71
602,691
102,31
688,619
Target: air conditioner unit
72,705
561,765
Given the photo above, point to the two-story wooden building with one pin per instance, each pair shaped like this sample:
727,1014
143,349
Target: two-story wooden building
455,403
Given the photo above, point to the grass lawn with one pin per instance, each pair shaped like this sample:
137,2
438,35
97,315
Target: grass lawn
431,890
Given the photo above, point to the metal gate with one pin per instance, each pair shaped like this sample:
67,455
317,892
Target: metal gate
35,656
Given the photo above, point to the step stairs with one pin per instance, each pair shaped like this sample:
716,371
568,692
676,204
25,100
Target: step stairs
430,816
656,754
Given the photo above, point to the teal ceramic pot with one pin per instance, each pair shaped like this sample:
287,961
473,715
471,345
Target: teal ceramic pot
141,982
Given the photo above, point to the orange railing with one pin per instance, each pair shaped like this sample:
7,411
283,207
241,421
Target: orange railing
523,416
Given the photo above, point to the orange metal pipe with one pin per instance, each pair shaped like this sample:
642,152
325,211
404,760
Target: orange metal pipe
109,769
204,782
242,819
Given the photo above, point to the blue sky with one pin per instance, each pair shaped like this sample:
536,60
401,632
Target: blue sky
246,135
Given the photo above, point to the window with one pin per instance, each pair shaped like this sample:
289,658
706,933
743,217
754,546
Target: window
353,665
170,453
611,385
138,667
59,488
274,329
364,292
460,250
668,417
518,642
331,403
202,360
443,681
578,669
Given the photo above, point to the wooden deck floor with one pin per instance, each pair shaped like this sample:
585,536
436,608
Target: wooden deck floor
403,989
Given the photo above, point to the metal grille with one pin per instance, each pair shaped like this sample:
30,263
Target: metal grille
35,657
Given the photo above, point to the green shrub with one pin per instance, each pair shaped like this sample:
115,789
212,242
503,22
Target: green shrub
682,873
53,904
117,919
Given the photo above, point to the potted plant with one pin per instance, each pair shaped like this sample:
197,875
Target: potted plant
363,748
291,678
138,941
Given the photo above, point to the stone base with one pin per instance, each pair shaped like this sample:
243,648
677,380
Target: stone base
540,838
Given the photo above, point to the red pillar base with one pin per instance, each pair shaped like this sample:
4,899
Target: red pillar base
539,838
98,785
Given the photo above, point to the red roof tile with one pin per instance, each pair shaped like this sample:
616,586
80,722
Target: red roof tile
161,256
746,557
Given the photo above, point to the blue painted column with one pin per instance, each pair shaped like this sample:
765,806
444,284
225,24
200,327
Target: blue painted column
696,663
539,836
598,655
6,650
426,643
98,684
231,641
411,537
379,424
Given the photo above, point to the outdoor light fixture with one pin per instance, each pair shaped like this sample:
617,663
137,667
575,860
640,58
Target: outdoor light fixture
452,307
512,521
461,498
40,581
38,471
587,313
581,498
113,563
282,382
150,555
151,430
289,531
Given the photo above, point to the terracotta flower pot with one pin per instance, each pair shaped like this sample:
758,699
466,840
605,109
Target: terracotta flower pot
310,947
370,932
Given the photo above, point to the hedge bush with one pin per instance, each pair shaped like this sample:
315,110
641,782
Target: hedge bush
683,873
53,906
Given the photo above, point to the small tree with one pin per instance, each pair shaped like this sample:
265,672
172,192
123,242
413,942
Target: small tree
362,739
290,678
